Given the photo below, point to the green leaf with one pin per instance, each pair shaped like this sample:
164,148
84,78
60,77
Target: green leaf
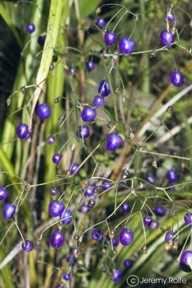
87,7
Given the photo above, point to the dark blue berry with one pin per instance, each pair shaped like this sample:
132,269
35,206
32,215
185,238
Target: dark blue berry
104,88
113,142
27,246
126,45
66,216
43,111
100,22
83,132
125,207
177,78
160,211
110,38
98,101
97,235
3,193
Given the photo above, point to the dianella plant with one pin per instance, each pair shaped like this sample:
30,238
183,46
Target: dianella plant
95,143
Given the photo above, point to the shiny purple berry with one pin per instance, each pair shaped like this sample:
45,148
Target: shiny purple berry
41,39
56,158
188,218
126,236
71,70
110,38
100,22
57,239
30,27
89,65
125,207
91,203
22,130
3,193
98,101
43,111
9,211
170,17
106,185
66,217
154,224
169,236
53,191
83,132
160,211
166,38
56,208
88,114
27,246
73,169
84,209
150,179
97,235
66,276
113,142
172,176
177,78
89,191
128,263
147,221
51,140
186,261
117,275
126,45
104,88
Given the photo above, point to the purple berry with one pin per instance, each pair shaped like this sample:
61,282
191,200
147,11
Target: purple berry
91,203
66,217
106,185
8,211
146,221
98,101
154,224
71,260
71,70
128,263
169,236
125,207
57,239
126,236
110,38
170,17
166,38
43,111
100,22
27,245
113,142
51,140
97,235
126,45
150,179
115,242
89,65
56,208
88,114
84,209
83,132
53,191
22,130
89,190
104,88
160,211
117,275
177,78
172,176
73,169
66,276
56,158
41,39
188,218
30,27
3,193
186,261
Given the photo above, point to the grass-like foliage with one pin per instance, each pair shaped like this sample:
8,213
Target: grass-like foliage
95,143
